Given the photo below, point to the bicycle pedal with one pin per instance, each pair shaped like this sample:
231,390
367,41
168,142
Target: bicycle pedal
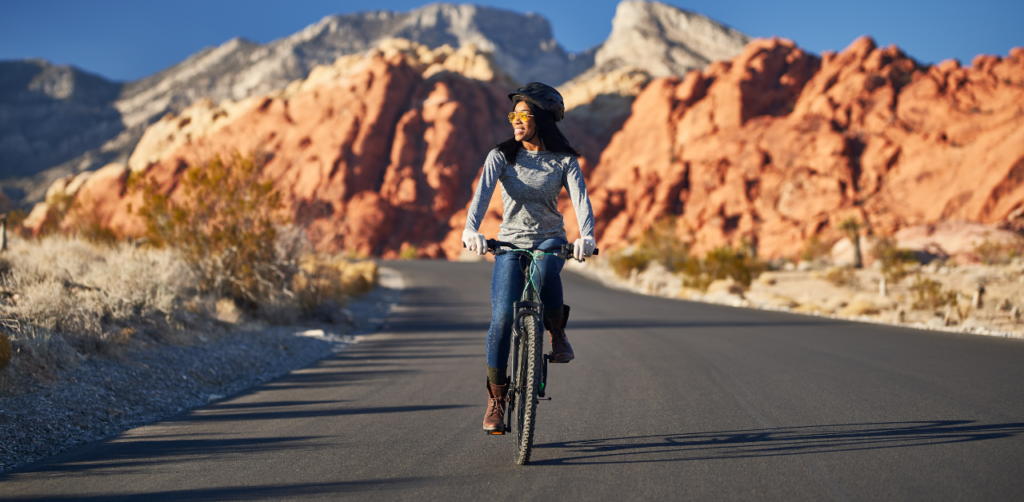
495,433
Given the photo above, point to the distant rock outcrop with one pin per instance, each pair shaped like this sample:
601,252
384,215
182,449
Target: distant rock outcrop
372,154
778,145
648,40
663,40
49,114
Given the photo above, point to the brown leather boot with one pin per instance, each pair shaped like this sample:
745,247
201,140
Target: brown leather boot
494,420
561,351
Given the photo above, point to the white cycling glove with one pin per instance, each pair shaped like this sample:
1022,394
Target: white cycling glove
583,248
475,242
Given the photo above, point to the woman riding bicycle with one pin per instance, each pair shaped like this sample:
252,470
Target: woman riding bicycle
532,168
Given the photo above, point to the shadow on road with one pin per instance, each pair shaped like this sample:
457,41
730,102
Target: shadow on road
213,416
775,442
162,449
258,492
646,323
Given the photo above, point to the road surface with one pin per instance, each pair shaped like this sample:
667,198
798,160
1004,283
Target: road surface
666,400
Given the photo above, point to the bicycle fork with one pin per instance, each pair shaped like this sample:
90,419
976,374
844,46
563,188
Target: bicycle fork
536,309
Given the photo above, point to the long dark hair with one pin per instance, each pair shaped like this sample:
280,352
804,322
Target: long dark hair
547,129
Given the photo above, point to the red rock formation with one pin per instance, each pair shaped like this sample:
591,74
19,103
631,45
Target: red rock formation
778,145
375,162
774,146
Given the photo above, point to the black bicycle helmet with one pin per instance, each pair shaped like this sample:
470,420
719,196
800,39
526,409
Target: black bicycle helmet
543,96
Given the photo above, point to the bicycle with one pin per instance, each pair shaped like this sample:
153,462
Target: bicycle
529,368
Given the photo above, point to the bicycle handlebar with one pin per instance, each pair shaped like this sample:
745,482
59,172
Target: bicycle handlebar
493,246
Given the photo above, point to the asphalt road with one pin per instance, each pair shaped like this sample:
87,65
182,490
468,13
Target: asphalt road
666,400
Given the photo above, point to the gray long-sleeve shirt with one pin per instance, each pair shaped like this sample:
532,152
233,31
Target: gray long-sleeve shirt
529,194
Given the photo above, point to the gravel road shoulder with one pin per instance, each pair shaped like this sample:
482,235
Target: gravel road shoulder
102,397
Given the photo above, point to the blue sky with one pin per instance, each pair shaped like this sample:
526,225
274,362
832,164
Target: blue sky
129,39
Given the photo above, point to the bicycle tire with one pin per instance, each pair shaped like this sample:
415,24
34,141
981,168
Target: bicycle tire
525,420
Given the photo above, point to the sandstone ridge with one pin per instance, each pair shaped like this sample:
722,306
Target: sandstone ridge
378,154
372,154
778,145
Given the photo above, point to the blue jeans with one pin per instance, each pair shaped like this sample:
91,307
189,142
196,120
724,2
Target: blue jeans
507,286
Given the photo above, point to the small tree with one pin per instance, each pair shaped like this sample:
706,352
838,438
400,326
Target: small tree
851,226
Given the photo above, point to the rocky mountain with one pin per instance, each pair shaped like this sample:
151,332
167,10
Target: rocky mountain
670,40
664,40
240,68
52,113
648,40
778,145
372,154
378,153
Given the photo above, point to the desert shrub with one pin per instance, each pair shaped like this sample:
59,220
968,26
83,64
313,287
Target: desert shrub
325,280
63,297
15,218
814,249
409,253
996,252
225,226
721,263
840,276
660,243
858,308
663,245
624,261
930,294
895,261
95,233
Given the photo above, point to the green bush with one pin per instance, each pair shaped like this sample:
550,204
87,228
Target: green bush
660,243
721,263
623,262
409,253
930,294
224,225
994,252
815,248
896,262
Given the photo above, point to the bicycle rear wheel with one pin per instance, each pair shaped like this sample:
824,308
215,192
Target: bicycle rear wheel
524,420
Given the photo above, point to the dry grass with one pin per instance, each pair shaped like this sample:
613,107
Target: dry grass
63,299
859,307
841,276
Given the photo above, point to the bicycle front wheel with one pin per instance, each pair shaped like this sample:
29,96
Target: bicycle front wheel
524,423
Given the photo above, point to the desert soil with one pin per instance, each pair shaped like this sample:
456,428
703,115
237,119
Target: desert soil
807,291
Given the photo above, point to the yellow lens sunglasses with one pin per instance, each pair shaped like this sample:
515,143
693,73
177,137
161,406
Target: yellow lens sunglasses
523,116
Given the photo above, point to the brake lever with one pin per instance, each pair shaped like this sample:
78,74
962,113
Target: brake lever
568,253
